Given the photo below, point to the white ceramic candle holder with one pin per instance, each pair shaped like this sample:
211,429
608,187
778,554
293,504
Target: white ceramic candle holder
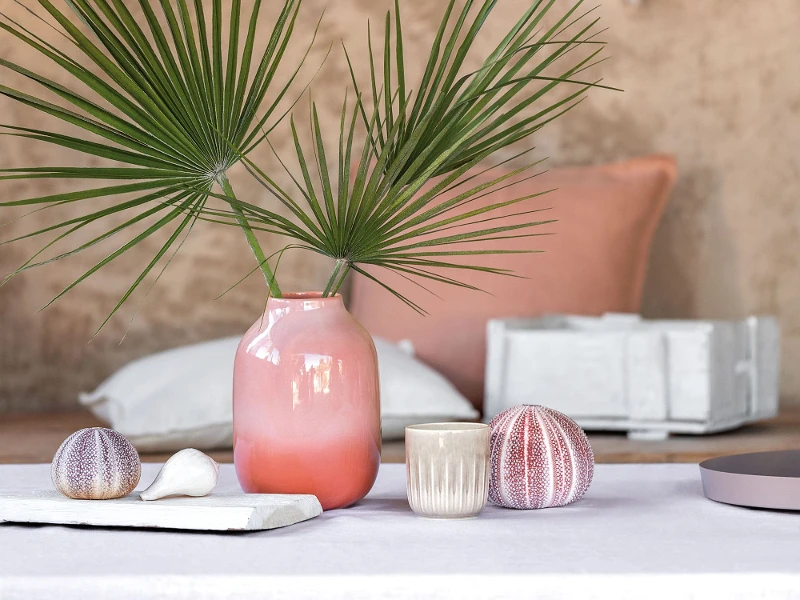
447,469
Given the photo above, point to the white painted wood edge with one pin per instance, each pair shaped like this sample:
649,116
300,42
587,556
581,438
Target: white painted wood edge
216,512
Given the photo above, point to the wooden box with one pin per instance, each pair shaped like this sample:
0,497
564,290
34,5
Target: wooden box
650,378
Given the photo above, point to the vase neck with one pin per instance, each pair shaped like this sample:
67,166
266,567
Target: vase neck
303,302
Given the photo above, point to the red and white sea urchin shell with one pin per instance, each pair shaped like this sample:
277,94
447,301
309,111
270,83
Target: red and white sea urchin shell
96,464
540,458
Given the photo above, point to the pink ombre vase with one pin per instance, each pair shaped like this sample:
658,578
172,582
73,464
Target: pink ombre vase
306,408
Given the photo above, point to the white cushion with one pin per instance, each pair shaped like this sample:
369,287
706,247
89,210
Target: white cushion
412,392
183,397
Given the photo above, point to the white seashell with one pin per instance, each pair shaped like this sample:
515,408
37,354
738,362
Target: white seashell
96,464
186,473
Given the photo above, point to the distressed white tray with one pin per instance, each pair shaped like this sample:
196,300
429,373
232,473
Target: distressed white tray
650,378
216,512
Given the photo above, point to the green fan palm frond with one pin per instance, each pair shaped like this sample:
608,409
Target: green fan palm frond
408,204
169,102
161,96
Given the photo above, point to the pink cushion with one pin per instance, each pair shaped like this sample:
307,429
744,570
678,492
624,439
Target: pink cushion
594,263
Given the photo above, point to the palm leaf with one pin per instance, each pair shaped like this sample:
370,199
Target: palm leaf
177,109
174,106
407,207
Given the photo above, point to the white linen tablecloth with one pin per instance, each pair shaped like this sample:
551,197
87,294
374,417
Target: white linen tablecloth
642,531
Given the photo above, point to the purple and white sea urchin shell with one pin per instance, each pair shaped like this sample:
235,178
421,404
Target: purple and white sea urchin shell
96,464
539,457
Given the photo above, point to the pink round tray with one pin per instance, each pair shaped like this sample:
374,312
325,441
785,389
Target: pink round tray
760,479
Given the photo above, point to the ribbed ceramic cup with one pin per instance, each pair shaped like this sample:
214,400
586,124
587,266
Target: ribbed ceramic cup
447,469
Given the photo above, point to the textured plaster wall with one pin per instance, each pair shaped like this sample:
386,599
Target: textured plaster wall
713,82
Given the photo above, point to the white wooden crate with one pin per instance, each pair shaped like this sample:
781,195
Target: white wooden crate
649,378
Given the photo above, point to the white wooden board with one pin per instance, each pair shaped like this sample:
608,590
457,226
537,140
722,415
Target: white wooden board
216,512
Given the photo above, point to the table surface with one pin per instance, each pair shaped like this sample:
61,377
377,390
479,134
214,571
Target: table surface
642,531
34,438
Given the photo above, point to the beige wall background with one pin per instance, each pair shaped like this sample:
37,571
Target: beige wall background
715,82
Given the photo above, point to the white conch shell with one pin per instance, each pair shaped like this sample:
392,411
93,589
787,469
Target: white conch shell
186,473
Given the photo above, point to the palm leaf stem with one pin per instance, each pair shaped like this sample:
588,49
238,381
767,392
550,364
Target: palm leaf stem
244,224
342,276
337,277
